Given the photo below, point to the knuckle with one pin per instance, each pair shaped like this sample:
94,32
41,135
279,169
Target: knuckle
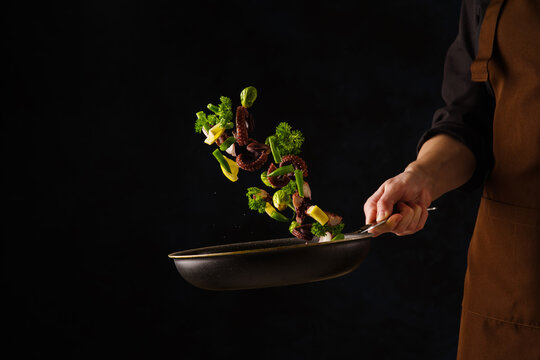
391,186
367,206
370,202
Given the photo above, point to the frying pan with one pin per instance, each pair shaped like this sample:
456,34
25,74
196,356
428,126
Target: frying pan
271,263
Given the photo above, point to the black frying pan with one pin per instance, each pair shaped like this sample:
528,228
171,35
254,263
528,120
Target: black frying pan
269,263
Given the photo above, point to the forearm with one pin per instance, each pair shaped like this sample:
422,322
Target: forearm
446,162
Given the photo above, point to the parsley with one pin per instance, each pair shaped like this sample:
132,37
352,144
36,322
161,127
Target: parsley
334,230
321,230
290,188
256,199
289,141
318,229
286,140
225,113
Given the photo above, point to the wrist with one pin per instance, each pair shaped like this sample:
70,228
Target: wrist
426,175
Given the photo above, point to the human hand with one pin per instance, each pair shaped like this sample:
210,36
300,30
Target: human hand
403,200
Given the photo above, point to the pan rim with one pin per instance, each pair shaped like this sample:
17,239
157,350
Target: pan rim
178,254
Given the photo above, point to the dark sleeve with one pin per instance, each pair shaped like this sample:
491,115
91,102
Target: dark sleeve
468,113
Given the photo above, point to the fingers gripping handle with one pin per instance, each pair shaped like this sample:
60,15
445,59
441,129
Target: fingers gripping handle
364,229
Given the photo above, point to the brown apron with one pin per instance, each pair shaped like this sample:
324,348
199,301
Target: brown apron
501,304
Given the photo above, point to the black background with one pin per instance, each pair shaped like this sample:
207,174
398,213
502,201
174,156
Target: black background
104,176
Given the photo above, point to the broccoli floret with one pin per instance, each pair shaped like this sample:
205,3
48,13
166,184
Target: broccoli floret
222,115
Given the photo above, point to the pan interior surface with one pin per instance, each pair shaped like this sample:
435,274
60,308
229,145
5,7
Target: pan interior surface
236,247
259,246
269,263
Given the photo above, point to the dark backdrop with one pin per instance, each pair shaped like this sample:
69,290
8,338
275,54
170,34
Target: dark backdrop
104,176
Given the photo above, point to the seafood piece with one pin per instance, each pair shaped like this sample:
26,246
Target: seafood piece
255,157
254,146
303,232
297,162
263,195
277,181
251,161
297,200
242,121
221,139
307,190
250,122
326,237
333,219
300,206
232,150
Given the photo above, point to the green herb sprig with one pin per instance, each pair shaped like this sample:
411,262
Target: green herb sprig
256,199
321,230
286,140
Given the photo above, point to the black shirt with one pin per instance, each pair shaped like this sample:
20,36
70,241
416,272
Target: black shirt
468,113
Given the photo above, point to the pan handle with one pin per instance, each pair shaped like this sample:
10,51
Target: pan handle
367,227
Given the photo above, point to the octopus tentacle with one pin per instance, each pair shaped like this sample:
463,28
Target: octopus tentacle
301,205
255,157
242,118
297,162
333,219
250,122
254,146
251,161
303,232
277,181
221,139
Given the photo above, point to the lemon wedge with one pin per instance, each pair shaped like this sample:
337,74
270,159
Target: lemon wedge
233,175
316,213
213,134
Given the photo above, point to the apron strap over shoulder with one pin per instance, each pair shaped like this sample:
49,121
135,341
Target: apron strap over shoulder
479,67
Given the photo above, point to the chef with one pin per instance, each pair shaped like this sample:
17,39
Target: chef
487,134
